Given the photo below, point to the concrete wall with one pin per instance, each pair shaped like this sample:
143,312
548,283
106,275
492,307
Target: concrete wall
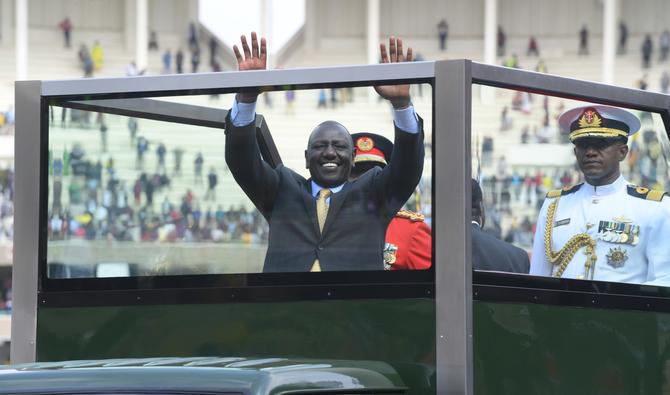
106,20
170,19
646,16
549,18
338,23
6,22
341,24
84,14
419,18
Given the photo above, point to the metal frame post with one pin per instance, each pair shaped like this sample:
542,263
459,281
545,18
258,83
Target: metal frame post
452,201
26,229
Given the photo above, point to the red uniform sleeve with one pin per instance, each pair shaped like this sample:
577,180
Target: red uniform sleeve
421,247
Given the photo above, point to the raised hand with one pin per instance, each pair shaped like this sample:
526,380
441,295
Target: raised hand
398,95
253,59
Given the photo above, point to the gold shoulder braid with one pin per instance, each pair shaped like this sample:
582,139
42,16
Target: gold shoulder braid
410,215
554,193
566,190
563,257
646,193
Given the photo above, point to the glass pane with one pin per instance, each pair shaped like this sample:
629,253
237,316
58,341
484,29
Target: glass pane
132,196
602,197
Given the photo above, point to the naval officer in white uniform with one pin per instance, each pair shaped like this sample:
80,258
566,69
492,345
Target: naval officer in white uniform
605,228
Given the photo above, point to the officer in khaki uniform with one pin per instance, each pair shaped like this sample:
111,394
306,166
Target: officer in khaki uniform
605,228
408,241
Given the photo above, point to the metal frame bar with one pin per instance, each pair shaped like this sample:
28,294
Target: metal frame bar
185,83
266,143
508,78
189,114
27,158
451,220
158,110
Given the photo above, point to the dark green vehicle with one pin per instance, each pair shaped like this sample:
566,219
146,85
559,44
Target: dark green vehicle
182,281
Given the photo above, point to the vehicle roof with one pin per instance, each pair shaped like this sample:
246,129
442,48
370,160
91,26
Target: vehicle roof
199,374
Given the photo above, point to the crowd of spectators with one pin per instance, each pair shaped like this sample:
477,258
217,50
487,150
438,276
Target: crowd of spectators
646,50
101,206
115,218
513,200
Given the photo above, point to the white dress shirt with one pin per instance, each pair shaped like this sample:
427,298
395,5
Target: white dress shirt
244,113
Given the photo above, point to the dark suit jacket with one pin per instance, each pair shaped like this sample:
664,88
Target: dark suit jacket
353,235
489,253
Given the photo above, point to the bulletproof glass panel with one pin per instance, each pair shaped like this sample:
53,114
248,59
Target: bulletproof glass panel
581,198
142,187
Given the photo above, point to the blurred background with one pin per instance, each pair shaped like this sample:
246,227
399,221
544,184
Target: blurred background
518,152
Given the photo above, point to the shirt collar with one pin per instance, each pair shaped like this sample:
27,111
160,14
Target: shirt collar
602,190
316,188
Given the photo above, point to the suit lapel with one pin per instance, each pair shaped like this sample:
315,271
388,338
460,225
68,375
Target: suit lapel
310,204
336,201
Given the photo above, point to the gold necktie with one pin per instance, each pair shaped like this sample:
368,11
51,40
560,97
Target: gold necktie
321,214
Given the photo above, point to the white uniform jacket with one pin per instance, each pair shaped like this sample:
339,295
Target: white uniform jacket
630,227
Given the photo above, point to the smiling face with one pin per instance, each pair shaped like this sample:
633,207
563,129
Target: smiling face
329,155
598,159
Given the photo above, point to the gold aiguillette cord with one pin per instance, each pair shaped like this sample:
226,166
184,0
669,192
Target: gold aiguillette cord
562,257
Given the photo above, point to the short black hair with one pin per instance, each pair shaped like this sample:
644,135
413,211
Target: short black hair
330,125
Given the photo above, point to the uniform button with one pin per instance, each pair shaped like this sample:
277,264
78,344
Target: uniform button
320,248
594,201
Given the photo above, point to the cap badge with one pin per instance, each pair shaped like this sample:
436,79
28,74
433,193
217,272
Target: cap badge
589,118
365,144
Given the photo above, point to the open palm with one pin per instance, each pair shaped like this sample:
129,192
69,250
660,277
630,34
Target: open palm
398,95
255,58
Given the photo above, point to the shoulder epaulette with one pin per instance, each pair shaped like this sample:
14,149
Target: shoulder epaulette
410,215
563,191
646,193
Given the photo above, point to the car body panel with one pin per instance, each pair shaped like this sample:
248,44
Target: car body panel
237,375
